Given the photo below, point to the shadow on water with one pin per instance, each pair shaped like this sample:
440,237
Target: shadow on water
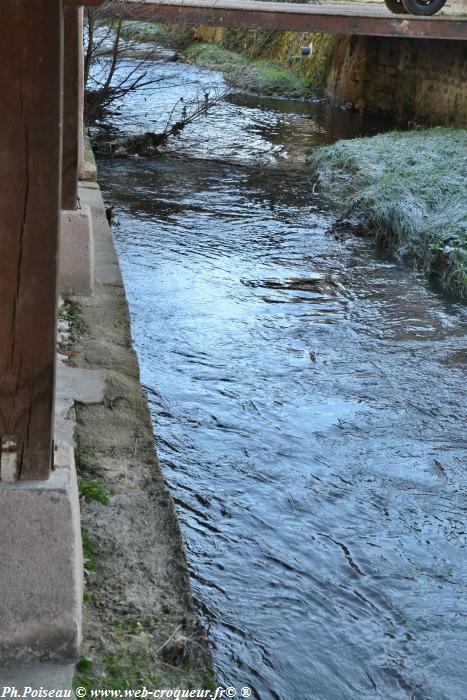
308,405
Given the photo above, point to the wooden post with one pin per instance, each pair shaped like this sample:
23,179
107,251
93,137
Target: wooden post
72,38
30,196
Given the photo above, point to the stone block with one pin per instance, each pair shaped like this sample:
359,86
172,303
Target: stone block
41,576
76,261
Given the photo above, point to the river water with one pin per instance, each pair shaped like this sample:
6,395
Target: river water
308,407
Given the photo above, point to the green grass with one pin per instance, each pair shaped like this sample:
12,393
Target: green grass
409,190
84,664
88,551
124,668
259,76
93,490
70,311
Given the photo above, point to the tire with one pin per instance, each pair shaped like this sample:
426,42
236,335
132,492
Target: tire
396,7
423,7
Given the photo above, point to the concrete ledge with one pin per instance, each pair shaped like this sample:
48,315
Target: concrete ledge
76,262
40,677
41,572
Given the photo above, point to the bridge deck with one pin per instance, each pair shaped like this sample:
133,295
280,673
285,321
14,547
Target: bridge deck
330,18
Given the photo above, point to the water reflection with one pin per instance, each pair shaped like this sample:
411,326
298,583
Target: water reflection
304,392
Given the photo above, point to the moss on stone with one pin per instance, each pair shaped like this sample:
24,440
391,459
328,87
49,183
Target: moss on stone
284,48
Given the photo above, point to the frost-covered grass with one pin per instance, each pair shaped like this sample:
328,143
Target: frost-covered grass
409,189
159,33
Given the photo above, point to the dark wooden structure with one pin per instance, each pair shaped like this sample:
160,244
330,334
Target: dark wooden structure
72,40
30,172
368,20
39,47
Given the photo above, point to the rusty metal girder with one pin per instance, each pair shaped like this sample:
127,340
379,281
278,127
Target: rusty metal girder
329,18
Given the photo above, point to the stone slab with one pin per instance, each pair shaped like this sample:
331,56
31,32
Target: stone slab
82,385
41,576
37,676
76,259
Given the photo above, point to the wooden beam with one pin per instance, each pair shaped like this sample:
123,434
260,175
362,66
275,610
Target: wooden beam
329,18
87,3
30,173
72,40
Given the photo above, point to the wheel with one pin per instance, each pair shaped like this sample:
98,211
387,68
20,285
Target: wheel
396,7
423,7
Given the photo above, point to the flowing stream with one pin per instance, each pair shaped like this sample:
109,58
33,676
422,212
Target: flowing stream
308,405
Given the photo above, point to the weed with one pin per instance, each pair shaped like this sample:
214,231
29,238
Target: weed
84,664
88,551
70,311
93,490
129,625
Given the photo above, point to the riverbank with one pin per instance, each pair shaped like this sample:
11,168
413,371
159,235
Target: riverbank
261,77
140,628
261,62
406,189
419,81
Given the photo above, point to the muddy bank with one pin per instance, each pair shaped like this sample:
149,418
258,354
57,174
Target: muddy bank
407,189
140,627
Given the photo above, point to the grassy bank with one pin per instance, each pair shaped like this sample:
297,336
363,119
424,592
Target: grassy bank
281,48
260,61
262,76
176,37
408,189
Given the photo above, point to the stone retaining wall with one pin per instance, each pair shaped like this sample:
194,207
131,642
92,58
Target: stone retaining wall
423,80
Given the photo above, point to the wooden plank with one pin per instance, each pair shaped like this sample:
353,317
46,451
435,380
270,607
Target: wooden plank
30,195
72,39
368,20
87,3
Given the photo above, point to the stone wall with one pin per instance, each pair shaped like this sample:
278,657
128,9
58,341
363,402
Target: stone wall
423,80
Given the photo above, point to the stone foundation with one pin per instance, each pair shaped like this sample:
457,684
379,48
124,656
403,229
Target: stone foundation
42,568
421,80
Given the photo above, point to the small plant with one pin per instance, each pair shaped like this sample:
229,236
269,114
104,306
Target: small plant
88,551
93,490
84,665
70,312
129,625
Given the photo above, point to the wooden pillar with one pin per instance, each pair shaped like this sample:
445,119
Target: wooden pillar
72,86
30,196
